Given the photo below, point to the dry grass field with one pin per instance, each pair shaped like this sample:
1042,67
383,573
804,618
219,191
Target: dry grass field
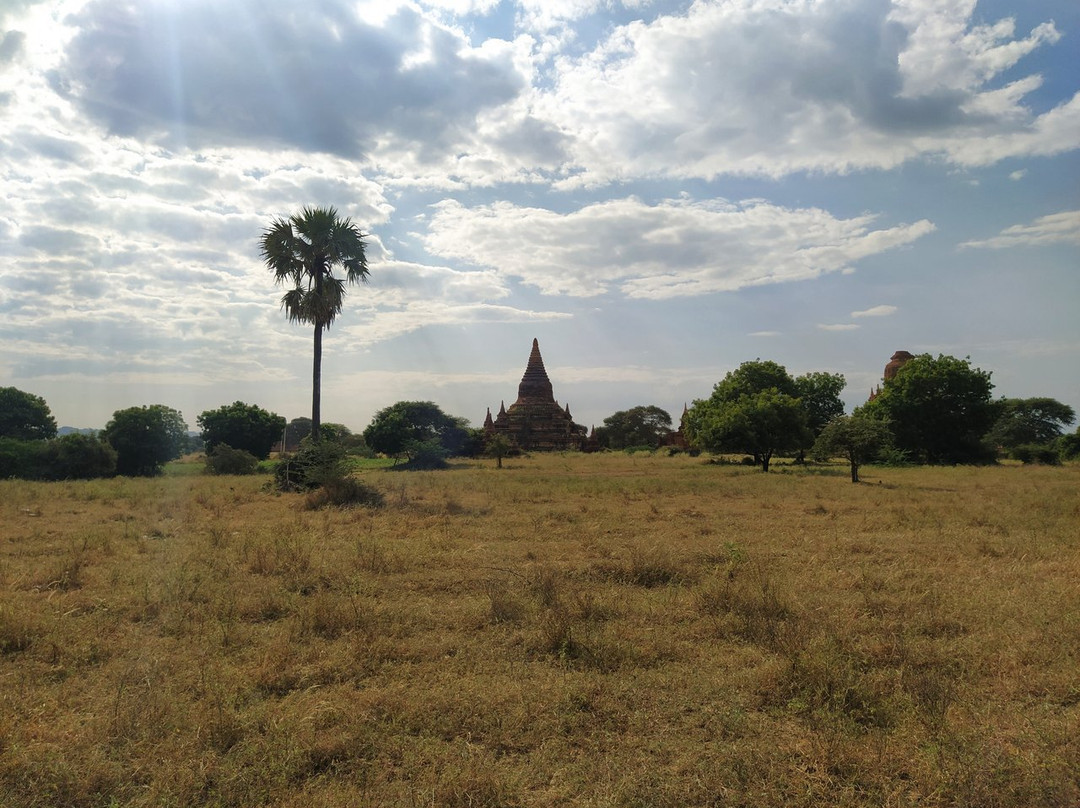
604,630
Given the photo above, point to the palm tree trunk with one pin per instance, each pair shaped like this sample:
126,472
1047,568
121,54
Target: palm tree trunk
316,386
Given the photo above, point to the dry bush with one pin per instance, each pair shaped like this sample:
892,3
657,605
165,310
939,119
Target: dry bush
344,492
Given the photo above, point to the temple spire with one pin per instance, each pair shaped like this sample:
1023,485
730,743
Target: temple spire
536,421
535,383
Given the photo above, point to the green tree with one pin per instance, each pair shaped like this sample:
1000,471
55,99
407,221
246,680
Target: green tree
224,459
1069,445
419,431
475,442
761,424
819,394
145,439
856,438
24,416
751,410
20,459
497,446
637,426
242,426
313,466
78,457
754,377
296,430
939,409
1030,421
302,252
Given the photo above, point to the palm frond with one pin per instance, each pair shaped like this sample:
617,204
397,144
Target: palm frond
294,303
278,249
303,250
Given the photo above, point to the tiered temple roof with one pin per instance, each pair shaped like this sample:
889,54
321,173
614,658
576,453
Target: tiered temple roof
535,421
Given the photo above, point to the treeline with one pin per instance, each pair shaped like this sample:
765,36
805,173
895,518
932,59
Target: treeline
236,438
934,410
137,441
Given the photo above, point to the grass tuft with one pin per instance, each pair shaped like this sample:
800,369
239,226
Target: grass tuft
344,492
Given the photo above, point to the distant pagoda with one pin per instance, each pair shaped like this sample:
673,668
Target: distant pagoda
898,360
536,422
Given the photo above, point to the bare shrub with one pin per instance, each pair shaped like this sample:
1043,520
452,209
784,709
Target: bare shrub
646,567
344,492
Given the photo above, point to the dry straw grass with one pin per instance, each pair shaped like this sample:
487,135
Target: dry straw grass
569,630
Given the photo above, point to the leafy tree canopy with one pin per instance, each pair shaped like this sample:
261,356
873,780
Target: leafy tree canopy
24,416
858,439
79,457
246,427
145,438
338,432
498,446
818,393
637,426
224,459
413,429
820,397
754,377
296,430
1069,445
939,409
760,424
739,398
1030,421
69,457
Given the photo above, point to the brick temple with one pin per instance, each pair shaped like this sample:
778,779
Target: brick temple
898,360
536,422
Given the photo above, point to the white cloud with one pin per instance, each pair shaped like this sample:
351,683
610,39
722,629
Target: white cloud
202,73
543,15
676,248
875,311
770,88
838,326
388,324
1056,228
1016,176
758,87
946,53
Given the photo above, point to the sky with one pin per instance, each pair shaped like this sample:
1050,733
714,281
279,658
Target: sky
656,191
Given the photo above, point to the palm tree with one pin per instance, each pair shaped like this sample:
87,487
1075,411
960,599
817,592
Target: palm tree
302,252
